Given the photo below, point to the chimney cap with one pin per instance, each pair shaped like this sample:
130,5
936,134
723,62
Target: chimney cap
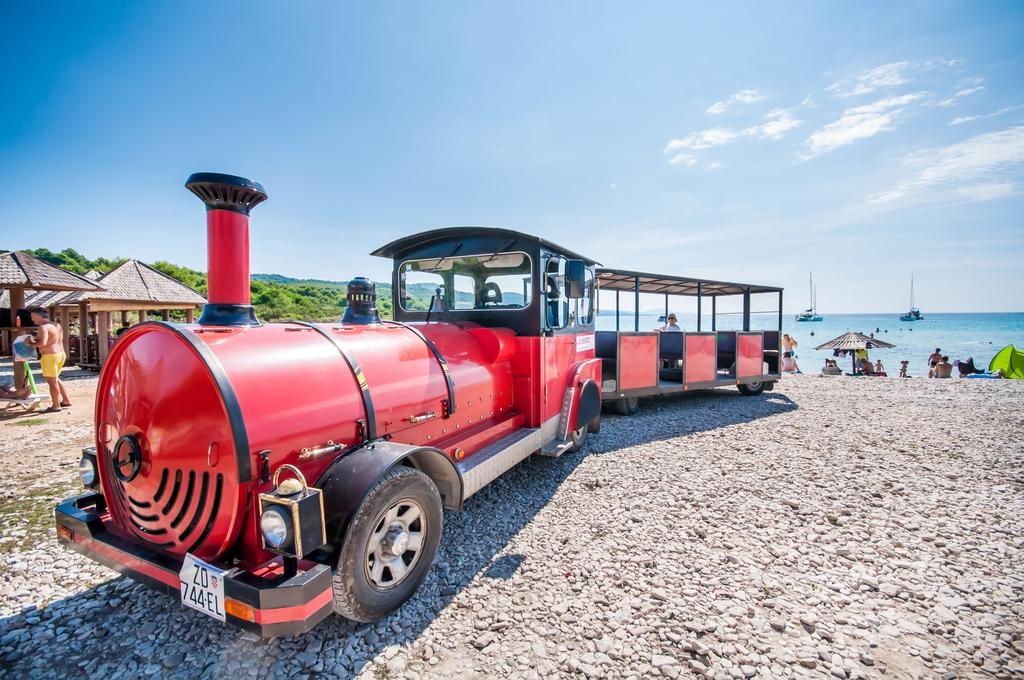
226,192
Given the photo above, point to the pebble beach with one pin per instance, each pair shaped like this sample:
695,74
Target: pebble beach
836,527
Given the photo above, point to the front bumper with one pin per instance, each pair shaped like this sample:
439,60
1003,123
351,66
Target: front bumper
280,606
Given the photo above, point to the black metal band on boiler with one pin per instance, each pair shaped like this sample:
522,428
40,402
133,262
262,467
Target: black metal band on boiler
440,359
357,372
227,394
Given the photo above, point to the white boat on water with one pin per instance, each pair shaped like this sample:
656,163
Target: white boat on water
811,313
914,314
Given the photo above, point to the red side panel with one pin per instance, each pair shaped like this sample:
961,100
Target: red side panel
700,358
638,361
749,357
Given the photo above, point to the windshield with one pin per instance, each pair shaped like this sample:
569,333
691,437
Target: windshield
494,281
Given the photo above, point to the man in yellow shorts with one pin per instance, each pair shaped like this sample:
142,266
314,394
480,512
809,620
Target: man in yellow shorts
49,340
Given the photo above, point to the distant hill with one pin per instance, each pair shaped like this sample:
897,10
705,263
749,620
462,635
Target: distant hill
289,281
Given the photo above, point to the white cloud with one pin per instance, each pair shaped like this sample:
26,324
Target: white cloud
705,139
967,119
742,97
947,102
859,122
976,169
809,102
686,159
777,123
780,121
970,90
715,165
887,76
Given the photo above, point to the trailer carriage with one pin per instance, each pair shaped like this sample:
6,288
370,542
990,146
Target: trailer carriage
641,363
271,474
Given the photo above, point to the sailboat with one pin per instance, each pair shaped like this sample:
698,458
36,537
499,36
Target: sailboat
811,313
914,314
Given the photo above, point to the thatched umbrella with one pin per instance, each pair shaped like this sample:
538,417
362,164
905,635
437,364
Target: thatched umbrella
854,341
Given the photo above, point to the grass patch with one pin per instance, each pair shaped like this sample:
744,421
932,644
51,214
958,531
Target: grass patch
28,519
25,422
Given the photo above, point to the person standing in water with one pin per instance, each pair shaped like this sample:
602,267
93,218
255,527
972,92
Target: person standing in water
49,340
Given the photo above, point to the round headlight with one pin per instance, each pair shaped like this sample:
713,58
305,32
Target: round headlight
87,471
276,526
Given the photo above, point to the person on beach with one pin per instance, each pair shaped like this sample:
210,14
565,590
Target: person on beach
672,325
49,340
933,359
879,368
789,344
9,391
943,369
903,368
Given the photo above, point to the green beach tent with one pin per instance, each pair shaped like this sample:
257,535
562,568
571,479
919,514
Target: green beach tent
1010,360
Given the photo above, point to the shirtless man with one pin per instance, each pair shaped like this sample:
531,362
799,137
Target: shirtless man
49,340
943,369
933,359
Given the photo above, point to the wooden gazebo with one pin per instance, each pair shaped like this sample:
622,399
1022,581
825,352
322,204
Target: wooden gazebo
131,288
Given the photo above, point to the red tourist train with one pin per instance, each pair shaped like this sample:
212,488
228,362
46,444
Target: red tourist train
271,474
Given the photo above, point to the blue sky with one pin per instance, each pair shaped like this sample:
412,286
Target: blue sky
748,142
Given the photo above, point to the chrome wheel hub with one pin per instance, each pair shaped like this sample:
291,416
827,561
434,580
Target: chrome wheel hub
395,545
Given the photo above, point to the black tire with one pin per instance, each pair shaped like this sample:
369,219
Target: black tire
594,426
627,406
355,595
751,389
579,439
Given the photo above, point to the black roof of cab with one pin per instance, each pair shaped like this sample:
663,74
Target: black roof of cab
397,249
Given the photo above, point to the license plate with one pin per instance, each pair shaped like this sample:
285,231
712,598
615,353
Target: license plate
202,586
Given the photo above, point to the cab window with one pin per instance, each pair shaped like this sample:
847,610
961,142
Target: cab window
559,310
556,302
471,282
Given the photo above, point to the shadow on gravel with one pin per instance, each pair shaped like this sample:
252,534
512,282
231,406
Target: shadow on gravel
123,629
691,412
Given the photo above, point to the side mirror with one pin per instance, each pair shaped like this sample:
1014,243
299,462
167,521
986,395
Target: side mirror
575,279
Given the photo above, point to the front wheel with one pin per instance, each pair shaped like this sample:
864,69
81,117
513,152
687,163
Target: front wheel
390,546
579,438
627,406
751,389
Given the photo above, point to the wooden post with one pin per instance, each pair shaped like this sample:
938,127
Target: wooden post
165,314
124,317
103,333
714,304
83,333
17,296
65,327
190,315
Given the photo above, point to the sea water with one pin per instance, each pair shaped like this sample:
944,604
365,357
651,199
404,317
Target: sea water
958,336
